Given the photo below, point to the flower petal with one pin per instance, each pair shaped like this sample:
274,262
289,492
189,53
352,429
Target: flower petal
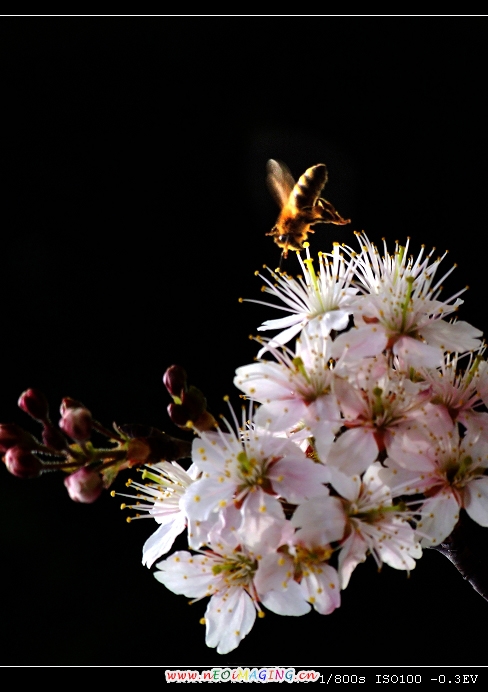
161,541
229,617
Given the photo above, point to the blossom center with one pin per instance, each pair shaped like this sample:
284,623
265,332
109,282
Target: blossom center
237,570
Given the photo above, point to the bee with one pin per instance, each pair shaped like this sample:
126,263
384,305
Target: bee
300,203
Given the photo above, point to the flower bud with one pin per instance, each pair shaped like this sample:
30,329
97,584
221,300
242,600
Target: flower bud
185,417
77,424
12,435
22,463
34,403
178,415
174,380
67,403
193,406
84,485
53,437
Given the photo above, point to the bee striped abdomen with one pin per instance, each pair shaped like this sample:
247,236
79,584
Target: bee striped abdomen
300,203
309,186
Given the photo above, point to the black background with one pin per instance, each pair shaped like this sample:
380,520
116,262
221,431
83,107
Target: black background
134,212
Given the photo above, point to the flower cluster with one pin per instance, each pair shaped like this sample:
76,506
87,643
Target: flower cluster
365,436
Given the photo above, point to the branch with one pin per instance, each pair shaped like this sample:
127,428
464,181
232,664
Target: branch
467,549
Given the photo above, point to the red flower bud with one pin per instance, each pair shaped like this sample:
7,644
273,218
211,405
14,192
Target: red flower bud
178,415
53,437
22,463
174,380
84,485
184,417
34,403
67,403
77,424
12,435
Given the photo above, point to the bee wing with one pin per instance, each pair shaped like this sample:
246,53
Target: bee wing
280,182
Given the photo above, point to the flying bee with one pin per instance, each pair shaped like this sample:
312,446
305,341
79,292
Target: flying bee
300,203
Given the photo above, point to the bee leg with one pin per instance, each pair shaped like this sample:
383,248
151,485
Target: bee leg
333,215
274,231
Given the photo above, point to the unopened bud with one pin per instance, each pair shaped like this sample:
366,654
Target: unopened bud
34,403
174,380
178,415
67,403
12,435
84,485
53,437
77,424
193,408
22,463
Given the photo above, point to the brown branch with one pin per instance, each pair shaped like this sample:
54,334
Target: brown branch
467,549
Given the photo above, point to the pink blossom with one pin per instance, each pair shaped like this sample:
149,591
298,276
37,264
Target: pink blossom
84,485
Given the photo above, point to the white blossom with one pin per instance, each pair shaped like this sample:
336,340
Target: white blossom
318,302
448,469
400,309
225,574
253,471
296,392
159,497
